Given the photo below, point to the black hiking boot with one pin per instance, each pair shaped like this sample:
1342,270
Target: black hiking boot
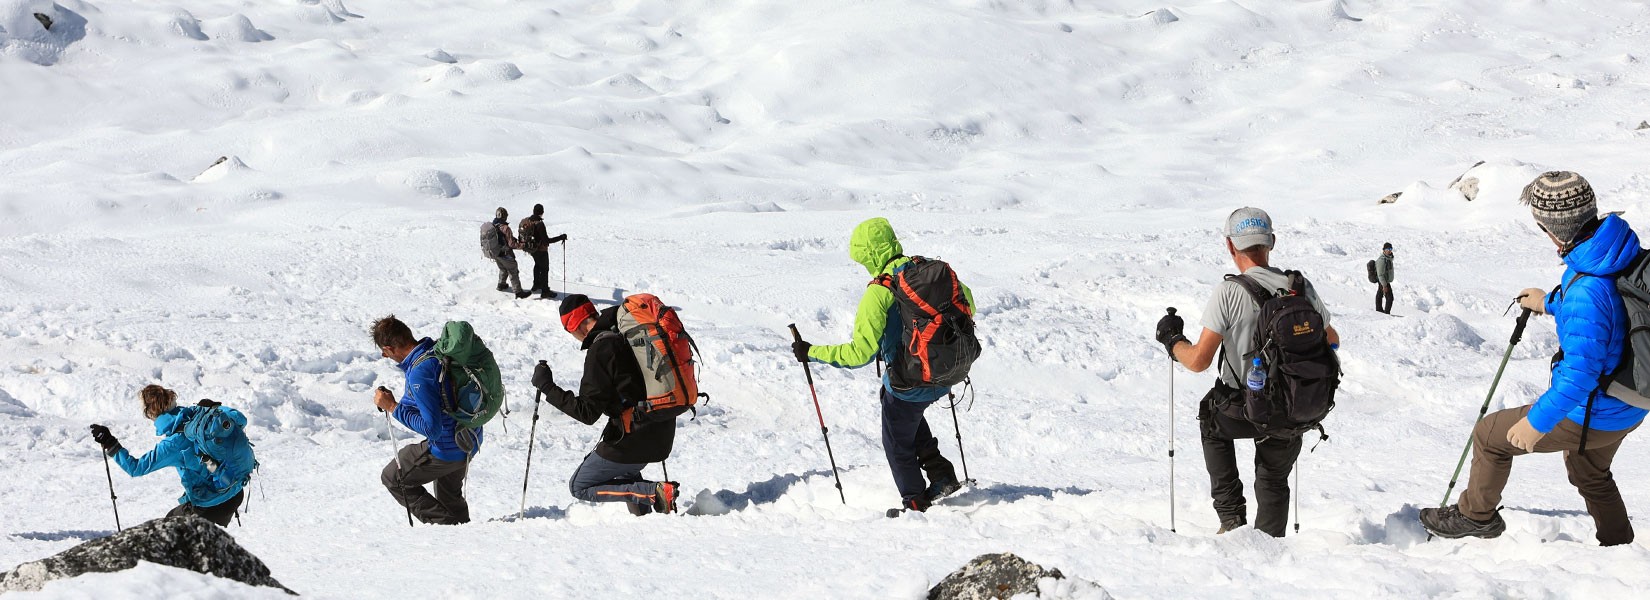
522,294
503,288
1450,523
941,489
664,496
915,504
548,295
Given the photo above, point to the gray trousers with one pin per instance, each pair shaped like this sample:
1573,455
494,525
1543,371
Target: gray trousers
509,272
602,480
418,467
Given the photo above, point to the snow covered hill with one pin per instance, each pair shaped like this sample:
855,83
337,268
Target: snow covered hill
1073,158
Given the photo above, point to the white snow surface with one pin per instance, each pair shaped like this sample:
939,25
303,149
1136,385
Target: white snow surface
1074,159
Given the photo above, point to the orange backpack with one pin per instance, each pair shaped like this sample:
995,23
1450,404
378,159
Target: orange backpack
665,353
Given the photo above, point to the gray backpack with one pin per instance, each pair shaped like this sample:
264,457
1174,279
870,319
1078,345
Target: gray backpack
1630,382
492,241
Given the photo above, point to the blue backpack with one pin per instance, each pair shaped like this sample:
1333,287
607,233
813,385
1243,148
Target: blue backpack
220,441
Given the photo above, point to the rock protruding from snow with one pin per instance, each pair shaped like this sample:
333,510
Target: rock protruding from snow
188,542
223,168
994,576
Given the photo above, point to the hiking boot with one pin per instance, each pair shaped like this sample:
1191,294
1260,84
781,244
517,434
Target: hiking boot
1450,523
916,504
1226,526
503,288
664,496
548,295
941,489
522,294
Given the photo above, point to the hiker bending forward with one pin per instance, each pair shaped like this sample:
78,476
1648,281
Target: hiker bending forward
613,471
444,456
211,489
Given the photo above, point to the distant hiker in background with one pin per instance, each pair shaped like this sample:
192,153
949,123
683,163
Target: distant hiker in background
613,381
922,364
1383,279
207,445
1233,325
444,456
1592,329
500,245
536,241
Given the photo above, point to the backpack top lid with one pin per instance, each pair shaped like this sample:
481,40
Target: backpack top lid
458,343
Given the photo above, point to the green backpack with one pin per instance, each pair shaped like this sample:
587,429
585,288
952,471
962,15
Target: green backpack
472,391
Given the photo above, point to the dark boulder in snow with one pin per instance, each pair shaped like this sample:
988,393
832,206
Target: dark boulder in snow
993,576
188,542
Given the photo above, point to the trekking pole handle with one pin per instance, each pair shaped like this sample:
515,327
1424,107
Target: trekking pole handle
1518,330
1171,311
385,390
795,335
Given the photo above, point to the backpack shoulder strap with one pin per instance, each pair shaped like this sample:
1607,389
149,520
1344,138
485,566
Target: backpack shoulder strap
1297,282
1253,287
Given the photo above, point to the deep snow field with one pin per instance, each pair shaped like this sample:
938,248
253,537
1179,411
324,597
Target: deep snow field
1074,159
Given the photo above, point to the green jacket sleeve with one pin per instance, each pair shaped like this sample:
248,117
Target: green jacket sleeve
869,323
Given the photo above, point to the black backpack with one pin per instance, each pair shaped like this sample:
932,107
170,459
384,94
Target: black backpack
938,339
1373,278
1302,371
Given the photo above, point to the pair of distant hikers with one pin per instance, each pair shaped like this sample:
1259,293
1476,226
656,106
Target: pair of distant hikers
499,244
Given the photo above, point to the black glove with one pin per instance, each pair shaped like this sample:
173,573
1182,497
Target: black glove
557,239
101,435
209,403
1170,331
801,349
544,382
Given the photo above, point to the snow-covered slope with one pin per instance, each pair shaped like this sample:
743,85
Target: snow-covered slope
1073,158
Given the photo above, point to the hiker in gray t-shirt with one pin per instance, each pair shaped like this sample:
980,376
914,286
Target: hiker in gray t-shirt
1230,326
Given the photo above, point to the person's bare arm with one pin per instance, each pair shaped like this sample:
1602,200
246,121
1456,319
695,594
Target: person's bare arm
1199,355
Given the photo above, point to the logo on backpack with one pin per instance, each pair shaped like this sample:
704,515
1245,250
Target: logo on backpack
1302,371
221,443
471,388
664,350
938,326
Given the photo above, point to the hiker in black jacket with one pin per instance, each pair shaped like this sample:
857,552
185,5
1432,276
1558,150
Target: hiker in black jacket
613,472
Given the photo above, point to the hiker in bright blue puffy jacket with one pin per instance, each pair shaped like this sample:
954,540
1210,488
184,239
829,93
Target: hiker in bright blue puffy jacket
1592,330
443,458
210,490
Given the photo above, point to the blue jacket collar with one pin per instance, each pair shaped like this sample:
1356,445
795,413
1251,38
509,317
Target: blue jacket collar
1612,247
167,423
418,352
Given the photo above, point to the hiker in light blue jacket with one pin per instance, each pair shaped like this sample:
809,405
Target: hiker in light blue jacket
212,489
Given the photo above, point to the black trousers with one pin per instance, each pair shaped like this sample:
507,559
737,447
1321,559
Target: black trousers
541,270
1383,298
405,479
911,447
1274,459
220,514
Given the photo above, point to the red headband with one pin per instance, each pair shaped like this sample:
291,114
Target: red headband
571,320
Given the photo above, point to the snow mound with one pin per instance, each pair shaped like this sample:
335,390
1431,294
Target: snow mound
38,31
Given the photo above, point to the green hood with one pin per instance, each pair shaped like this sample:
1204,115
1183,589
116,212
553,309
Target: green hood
873,245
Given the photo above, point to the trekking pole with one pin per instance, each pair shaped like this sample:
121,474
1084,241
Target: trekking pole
1171,435
112,499
532,434
1297,495
955,426
1518,333
824,431
564,266
665,466
395,447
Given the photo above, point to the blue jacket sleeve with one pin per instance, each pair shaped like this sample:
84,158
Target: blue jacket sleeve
1585,315
421,402
168,453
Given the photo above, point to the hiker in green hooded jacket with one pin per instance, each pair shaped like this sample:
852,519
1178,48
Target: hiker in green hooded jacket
910,446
